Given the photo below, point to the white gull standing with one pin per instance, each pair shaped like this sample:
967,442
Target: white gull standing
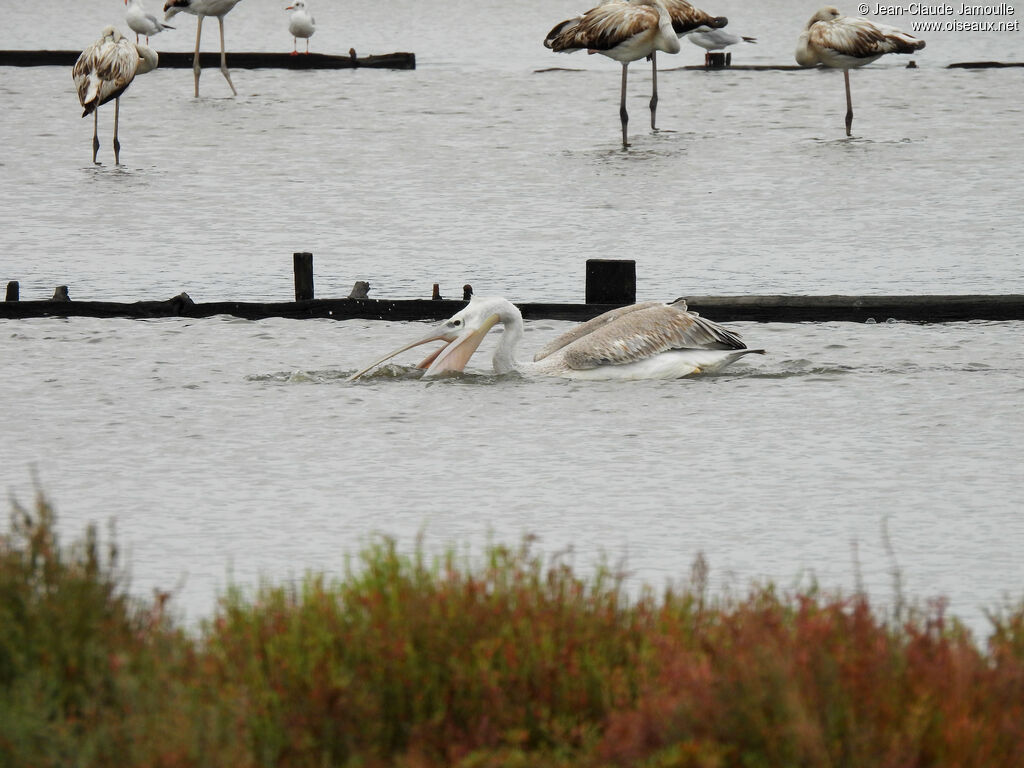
716,40
142,22
201,9
300,24
649,340
844,42
103,72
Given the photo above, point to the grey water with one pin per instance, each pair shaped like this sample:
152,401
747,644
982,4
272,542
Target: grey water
228,450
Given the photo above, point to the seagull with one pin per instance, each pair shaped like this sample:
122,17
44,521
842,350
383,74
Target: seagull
627,30
716,40
301,24
202,9
843,42
649,340
103,72
142,22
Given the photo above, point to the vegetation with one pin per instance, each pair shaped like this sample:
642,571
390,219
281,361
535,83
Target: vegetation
514,661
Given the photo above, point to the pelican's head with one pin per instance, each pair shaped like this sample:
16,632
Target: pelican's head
462,334
827,13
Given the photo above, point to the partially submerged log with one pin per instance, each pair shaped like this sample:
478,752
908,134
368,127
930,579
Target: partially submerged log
770,309
236,60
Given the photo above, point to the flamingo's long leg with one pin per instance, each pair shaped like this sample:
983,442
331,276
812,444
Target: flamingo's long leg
224,57
849,102
95,137
196,69
654,87
623,114
117,144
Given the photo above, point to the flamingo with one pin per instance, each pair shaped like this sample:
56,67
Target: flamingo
649,340
142,22
201,9
301,24
103,72
627,30
716,40
843,42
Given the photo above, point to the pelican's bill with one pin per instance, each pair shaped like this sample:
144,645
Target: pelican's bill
461,341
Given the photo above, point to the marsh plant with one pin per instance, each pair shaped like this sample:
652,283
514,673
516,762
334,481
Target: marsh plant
507,659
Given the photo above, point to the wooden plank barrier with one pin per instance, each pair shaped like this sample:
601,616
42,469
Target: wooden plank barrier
236,60
610,283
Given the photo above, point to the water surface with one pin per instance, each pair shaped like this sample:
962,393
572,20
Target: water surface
225,448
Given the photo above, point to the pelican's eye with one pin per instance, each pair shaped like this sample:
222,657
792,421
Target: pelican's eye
456,323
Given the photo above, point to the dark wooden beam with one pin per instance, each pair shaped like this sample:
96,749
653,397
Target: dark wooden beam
768,309
236,60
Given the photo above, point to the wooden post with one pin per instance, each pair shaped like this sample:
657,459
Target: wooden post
60,293
13,291
303,265
436,295
717,60
611,281
467,292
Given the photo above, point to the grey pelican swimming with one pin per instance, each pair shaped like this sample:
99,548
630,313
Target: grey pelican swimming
300,24
627,30
142,22
844,42
716,40
201,9
103,72
649,340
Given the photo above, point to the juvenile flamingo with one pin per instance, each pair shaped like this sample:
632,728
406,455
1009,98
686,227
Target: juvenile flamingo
844,42
627,30
103,72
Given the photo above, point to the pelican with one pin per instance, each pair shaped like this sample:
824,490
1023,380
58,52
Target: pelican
716,40
627,30
843,42
301,24
103,72
201,9
650,340
141,22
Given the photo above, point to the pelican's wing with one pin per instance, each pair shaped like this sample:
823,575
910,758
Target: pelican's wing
644,332
861,38
602,28
583,329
